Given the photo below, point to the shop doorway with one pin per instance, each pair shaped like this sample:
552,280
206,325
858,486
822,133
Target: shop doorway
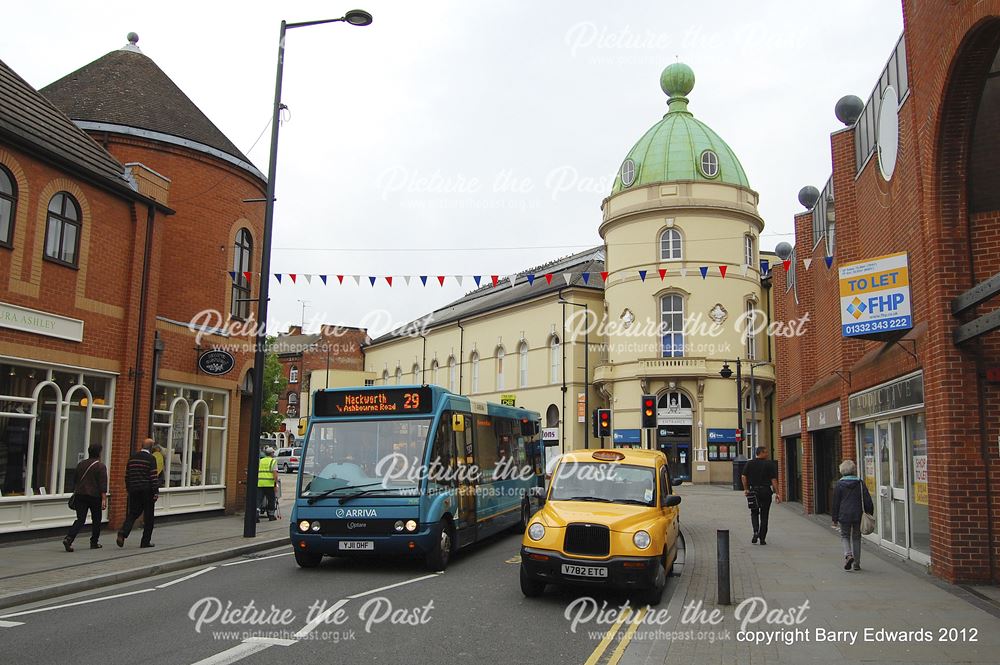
891,482
793,468
826,460
675,442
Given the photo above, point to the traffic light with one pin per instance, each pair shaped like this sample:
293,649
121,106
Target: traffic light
604,422
593,422
648,411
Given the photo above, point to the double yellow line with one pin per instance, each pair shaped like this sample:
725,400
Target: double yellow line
634,619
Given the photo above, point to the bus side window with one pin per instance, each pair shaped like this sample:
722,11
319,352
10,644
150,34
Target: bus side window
442,460
486,446
505,445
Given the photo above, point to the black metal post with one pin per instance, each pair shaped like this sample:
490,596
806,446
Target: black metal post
739,401
725,592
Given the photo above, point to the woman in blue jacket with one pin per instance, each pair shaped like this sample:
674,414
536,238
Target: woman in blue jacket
847,499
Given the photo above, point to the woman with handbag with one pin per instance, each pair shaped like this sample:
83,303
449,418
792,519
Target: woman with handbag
90,494
852,510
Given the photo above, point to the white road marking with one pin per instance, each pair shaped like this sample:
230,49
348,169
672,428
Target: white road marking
273,641
320,618
393,586
10,624
185,578
79,602
260,558
234,654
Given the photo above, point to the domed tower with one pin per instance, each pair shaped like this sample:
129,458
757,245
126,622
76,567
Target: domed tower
684,294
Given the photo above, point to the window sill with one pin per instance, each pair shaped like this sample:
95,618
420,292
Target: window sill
59,262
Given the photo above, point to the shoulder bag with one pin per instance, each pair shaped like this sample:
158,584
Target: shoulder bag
867,519
72,499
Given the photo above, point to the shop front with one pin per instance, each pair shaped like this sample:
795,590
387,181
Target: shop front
49,415
674,420
191,427
892,450
823,425
791,437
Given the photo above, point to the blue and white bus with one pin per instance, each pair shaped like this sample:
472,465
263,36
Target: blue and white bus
411,470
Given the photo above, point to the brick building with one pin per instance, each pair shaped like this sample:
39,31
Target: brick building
914,198
332,357
122,215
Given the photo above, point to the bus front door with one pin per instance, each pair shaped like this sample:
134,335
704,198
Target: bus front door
467,485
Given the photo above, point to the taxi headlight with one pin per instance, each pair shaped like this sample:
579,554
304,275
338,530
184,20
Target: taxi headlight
398,526
315,526
641,539
304,525
536,531
411,525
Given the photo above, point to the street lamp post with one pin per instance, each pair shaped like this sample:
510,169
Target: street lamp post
753,407
586,363
726,373
356,17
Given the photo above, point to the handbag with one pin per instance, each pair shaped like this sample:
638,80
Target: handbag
867,520
72,497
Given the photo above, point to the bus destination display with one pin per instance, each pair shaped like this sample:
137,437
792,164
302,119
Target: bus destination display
372,402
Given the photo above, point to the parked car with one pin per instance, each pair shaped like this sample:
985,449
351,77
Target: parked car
288,459
610,519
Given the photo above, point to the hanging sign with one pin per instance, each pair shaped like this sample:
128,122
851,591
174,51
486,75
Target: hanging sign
875,296
216,362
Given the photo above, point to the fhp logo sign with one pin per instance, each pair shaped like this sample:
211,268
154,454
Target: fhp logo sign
875,296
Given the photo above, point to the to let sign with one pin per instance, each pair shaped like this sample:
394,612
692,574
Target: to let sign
216,362
875,296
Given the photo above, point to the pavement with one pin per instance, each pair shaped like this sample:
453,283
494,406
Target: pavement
34,570
803,563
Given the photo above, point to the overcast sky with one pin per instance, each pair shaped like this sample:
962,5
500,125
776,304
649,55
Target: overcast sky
477,137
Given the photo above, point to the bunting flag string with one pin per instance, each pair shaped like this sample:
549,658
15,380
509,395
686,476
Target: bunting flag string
746,269
406,278
704,271
568,277
642,275
787,263
309,279
477,279
829,261
807,263
423,280
232,275
722,271
663,273
357,280
246,276
586,277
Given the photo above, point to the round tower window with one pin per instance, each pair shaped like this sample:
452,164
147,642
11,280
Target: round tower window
709,164
628,172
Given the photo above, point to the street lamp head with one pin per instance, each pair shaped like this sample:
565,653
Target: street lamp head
358,17
725,372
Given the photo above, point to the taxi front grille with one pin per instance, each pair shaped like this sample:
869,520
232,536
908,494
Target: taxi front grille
587,539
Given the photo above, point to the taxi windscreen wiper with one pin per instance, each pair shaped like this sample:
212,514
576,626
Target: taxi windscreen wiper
634,501
326,493
345,499
583,498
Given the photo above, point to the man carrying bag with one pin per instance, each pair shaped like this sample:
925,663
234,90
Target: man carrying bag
760,482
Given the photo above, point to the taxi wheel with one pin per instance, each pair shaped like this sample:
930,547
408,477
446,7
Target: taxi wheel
307,559
654,594
530,587
525,516
438,557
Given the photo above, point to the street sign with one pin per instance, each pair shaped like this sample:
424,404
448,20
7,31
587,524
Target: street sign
508,399
627,436
717,435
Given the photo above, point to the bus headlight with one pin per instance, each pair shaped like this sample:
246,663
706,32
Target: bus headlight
398,526
411,525
315,526
304,525
536,531
641,540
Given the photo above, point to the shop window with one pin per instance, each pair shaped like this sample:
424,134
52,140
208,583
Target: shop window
8,207
293,374
190,426
672,319
242,260
920,535
62,232
522,364
722,452
671,245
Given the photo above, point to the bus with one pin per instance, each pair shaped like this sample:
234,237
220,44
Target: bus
413,470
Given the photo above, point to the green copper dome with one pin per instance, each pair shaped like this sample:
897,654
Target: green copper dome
679,147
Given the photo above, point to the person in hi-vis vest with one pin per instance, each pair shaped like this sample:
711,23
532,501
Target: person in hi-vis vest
267,478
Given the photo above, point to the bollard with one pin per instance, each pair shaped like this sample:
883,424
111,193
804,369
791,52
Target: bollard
723,567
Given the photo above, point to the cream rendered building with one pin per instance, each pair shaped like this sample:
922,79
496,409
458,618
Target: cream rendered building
682,204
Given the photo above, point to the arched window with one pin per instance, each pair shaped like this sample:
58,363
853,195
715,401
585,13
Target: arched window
672,319
242,258
293,374
434,372
399,375
293,404
8,207
452,372
674,400
62,235
552,416
522,364
670,245
750,324
385,377
474,362
555,360
416,375
748,253
500,357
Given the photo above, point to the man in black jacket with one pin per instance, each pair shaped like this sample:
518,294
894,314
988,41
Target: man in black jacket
142,485
760,480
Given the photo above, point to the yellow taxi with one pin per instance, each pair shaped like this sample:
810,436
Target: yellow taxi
610,519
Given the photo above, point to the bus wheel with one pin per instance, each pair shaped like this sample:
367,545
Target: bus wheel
438,557
530,587
307,559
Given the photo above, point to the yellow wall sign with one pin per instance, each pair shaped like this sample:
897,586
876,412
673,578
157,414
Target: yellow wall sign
875,296
508,399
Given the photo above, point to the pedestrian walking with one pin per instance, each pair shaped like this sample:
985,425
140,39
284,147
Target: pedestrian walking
850,497
267,478
90,495
143,489
760,483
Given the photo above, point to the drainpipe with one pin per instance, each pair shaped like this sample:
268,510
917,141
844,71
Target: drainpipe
141,340
158,347
562,348
461,354
423,361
